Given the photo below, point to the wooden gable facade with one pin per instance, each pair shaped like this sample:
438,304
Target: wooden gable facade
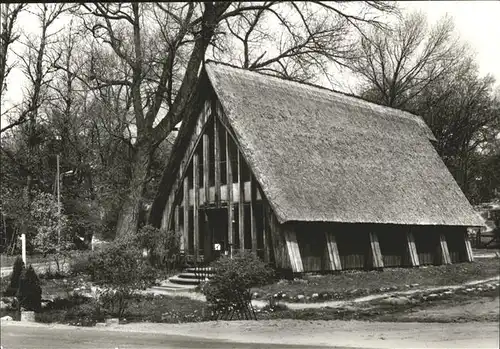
217,207
215,204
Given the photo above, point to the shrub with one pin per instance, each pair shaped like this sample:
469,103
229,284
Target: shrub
14,278
121,270
229,290
80,264
163,248
29,293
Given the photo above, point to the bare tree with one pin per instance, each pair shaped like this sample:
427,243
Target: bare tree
8,14
398,64
34,65
159,63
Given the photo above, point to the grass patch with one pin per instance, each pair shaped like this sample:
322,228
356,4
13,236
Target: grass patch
351,284
8,260
81,311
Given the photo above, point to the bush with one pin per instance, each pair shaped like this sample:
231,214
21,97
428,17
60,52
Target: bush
163,248
229,290
80,264
121,270
14,278
29,294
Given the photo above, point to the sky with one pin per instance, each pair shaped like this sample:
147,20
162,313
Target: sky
476,22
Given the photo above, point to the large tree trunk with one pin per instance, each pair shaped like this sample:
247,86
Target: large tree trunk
128,219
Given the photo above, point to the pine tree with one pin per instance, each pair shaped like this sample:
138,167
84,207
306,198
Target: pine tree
14,278
29,293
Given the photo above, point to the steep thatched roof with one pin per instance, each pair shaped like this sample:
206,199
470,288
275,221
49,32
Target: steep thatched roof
325,156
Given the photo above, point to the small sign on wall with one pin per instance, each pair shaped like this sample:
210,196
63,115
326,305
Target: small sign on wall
216,247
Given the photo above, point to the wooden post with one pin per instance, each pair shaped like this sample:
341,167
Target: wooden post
411,249
279,252
241,208
265,231
196,192
217,161
333,251
253,224
443,250
206,165
469,256
377,260
186,213
23,248
229,189
293,250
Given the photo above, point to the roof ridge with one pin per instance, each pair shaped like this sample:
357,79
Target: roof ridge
314,86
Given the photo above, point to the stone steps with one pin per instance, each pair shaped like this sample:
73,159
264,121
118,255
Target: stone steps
186,281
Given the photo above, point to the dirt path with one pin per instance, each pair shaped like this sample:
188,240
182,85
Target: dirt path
357,334
336,304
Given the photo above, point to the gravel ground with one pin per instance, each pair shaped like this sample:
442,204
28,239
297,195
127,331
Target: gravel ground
357,334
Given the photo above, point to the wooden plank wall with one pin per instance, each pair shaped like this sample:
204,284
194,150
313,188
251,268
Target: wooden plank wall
312,247
458,244
353,245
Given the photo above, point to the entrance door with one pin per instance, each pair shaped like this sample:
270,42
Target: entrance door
216,242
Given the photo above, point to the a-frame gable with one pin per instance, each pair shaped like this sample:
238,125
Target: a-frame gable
205,177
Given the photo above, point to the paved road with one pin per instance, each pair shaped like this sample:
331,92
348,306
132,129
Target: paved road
14,336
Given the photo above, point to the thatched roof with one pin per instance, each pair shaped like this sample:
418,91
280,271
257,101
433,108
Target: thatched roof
321,155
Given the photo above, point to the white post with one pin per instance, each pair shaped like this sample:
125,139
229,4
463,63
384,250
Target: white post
23,248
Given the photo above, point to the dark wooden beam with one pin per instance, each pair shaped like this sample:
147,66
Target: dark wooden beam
292,247
411,249
253,224
186,214
281,258
333,251
229,189
443,250
241,207
469,256
206,165
217,161
196,192
377,260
